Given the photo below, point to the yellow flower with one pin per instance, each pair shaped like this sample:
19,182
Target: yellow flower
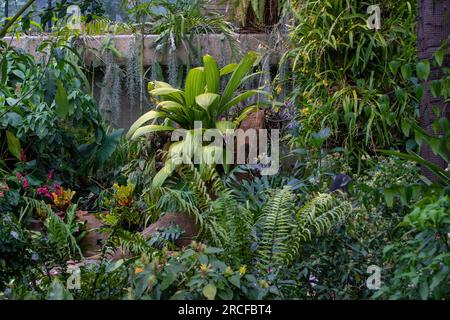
243,270
204,268
305,111
138,270
228,271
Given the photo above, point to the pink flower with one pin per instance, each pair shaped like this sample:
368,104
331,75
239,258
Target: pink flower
50,175
19,176
2,194
25,184
56,187
44,192
4,187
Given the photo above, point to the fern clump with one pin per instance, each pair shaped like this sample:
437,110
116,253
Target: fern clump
283,230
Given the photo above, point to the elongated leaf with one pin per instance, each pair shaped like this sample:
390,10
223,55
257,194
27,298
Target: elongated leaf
228,69
195,85
212,74
149,129
164,173
151,115
61,100
242,97
13,144
169,94
235,81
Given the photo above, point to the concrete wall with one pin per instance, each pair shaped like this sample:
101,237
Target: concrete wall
212,44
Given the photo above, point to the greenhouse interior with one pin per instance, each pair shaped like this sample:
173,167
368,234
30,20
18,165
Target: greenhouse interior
254,150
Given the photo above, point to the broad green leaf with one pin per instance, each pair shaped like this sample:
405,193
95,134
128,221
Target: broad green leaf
13,144
169,278
205,100
151,115
236,280
108,146
423,69
61,100
212,74
393,66
209,291
195,85
439,57
406,71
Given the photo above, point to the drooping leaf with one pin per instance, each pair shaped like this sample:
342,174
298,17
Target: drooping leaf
13,144
61,100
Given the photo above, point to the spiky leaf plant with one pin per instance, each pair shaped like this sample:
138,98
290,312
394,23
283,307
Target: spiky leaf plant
200,101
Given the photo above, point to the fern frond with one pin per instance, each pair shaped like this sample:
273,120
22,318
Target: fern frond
277,228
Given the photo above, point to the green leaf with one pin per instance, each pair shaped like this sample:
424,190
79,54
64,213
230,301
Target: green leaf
209,291
393,66
4,71
143,119
419,91
61,100
163,174
169,278
212,74
149,129
13,144
235,81
113,266
389,195
235,280
195,85
228,69
423,290
439,57
436,87
19,74
108,146
423,69
406,71
205,100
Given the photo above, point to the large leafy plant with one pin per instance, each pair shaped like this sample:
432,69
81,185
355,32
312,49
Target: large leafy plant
201,101
356,81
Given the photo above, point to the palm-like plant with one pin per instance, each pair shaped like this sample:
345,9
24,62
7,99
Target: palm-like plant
201,101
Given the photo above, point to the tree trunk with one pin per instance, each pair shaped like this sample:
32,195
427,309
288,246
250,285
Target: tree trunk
433,27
